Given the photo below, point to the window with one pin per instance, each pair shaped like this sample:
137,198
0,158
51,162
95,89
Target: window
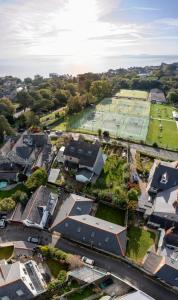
19,293
5,298
84,238
24,270
164,178
66,224
99,244
92,234
106,239
78,229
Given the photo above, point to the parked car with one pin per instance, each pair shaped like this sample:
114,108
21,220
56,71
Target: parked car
34,240
2,223
88,261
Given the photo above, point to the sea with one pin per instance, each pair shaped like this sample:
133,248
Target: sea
43,65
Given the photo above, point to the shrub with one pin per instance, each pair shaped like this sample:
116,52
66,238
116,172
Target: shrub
133,194
20,196
62,277
7,204
38,178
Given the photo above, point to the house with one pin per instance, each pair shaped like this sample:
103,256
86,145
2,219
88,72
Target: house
40,208
160,202
157,96
86,159
75,222
20,280
24,153
163,265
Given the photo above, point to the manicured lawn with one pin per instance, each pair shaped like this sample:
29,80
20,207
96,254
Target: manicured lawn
161,111
51,118
6,252
9,193
55,267
167,137
139,241
110,214
82,294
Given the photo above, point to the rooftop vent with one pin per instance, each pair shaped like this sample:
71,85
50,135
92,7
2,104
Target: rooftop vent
164,178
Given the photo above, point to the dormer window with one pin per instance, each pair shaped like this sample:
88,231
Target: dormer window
164,178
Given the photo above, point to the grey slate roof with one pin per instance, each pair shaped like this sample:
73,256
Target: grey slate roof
172,177
40,201
95,233
73,205
84,151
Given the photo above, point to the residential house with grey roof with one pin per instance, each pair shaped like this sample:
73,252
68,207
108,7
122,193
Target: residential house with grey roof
75,222
22,154
85,158
160,202
20,280
163,265
40,208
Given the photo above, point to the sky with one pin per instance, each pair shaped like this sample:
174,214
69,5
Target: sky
82,29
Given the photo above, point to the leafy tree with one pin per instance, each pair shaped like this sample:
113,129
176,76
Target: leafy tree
7,204
101,89
38,178
6,107
46,93
99,132
173,96
74,104
24,99
31,119
5,127
62,96
21,197
71,88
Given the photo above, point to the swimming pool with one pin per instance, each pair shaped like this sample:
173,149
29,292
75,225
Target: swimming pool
3,184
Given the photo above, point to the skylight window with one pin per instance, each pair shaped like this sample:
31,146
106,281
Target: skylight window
164,178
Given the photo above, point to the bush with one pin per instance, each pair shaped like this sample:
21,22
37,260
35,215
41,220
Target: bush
20,196
7,204
133,194
38,178
62,277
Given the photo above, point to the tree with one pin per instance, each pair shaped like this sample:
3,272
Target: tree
38,178
5,127
7,204
31,119
99,133
173,96
21,197
24,99
133,194
101,89
6,107
74,104
62,96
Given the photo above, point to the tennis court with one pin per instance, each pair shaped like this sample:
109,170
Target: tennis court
123,118
133,94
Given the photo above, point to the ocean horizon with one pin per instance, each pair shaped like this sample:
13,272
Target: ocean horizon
43,65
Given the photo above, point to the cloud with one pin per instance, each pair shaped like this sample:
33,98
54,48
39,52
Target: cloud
172,22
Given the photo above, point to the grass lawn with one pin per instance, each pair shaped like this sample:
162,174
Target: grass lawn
139,242
81,294
110,214
55,267
51,118
113,174
161,111
6,252
9,193
167,137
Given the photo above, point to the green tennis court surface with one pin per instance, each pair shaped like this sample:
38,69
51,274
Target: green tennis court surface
128,119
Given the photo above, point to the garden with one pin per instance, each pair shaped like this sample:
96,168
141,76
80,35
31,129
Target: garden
139,242
110,214
6,252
